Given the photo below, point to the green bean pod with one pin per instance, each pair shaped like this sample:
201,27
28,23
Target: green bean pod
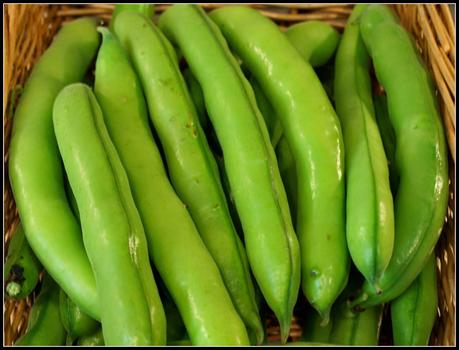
113,234
387,135
148,10
75,321
22,268
414,312
44,326
316,41
421,158
314,136
369,203
314,330
35,168
94,339
250,162
356,328
176,248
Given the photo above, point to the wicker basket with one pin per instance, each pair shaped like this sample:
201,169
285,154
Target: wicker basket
29,29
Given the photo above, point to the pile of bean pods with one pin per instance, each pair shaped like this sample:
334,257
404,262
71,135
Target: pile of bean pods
214,169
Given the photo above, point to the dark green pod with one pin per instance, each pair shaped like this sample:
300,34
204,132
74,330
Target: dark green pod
414,312
44,326
22,268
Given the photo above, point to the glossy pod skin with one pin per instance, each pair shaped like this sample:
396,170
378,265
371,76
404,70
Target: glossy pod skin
316,41
113,234
44,326
420,155
22,268
176,248
413,313
369,203
249,158
75,321
35,168
314,136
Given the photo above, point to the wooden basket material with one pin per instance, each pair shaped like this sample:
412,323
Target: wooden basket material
29,29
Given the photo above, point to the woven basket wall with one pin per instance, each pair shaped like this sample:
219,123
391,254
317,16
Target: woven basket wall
29,29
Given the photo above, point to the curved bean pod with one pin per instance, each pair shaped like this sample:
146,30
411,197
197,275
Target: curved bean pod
414,312
314,137
131,309
22,268
44,326
316,41
250,163
35,168
369,203
421,157
176,248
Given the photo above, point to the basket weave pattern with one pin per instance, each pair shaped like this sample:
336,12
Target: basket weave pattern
29,29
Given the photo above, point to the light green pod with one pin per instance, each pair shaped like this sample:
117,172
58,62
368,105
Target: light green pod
414,312
148,10
112,230
420,203
316,41
250,163
314,136
35,167
176,248
369,203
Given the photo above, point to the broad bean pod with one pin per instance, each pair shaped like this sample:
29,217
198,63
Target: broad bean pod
176,248
250,163
314,136
35,168
148,10
369,203
420,155
413,313
22,268
316,41
44,327
113,234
